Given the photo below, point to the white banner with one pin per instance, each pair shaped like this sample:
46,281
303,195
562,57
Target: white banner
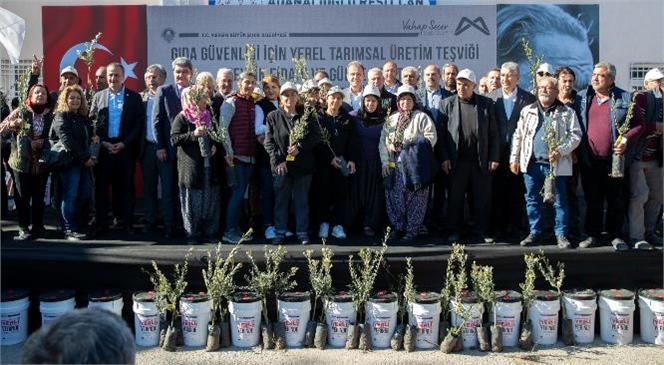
322,2
328,37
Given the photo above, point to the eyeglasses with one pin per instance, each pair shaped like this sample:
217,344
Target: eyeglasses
547,88
542,73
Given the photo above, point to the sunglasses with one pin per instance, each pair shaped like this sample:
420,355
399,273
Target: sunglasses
542,73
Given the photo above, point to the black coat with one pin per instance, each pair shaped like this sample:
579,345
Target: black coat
73,129
277,140
190,163
507,126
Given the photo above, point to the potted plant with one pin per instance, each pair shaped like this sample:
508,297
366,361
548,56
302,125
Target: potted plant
363,274
219,278
408,294
482,279
269,281
455,285
618,161
552,143
320,278
87,56
528,295
556,281
167,293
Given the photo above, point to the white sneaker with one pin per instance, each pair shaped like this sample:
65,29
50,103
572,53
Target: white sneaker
338,232
324,230
289,234
270,233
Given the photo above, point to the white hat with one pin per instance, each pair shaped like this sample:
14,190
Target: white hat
287,86
405,89
371,90
335,90
308,85
468,75
324,81
546,68
69,69
654,75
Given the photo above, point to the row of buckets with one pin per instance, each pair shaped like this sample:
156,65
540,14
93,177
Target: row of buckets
616,309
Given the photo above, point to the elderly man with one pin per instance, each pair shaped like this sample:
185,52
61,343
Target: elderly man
645,175
390,72
604,108
450,72
225,80
508,189
238,117
353,93
470,153
387,99
545,136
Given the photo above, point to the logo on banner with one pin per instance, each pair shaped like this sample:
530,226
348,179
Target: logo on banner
168,34
70,57
478,23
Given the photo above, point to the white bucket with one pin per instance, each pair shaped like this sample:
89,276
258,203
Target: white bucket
14,316
616,316
424,313
294,311
381,313
508,316
651,306
580,307
245,310
339,312
146,319
543,314
110,300
195,312
56,303
469,330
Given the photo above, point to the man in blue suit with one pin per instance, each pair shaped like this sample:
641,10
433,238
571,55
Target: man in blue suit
167,105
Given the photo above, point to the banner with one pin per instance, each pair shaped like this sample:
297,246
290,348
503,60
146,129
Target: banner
123,40
323,2
327,37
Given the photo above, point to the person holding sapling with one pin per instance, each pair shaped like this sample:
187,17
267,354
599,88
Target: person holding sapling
604,110
290,137
546,134
335,156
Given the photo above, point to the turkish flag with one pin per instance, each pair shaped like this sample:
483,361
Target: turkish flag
123,39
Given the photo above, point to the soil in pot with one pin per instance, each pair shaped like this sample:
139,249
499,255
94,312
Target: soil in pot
526,336
213,337
365,337
309,334
279,336
443,328
320,338
225,334
449,343
617,165
568,332
483,337
353,336
170,339
396,342
549,190
266,334
496,339
409,338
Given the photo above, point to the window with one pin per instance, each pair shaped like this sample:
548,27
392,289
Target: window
637,72
9,74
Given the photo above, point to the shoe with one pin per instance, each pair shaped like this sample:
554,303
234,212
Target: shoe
654,239
278,240
209,239
588,242
23,235
149,228
531,240
74,236
423,230
641,245
129,229
37,232
408,237
369,232
231,237
289,234
192,240
270,233
394,235
117,223
453,238
338,232
483,238
563,242
619,245
324,230
168,233
304,239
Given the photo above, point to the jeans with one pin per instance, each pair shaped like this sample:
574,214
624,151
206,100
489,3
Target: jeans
76,191
298,188
534,181
236,200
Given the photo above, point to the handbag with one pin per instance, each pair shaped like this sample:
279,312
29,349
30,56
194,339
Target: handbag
56,157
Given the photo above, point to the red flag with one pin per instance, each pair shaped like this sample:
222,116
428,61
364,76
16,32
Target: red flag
123,39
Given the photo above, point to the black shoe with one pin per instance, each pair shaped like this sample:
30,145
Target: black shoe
409,237
192,240
394,235
168,233
23,235
129,229
96,231
279,240
453,238
149,228
563,242
37,232
531,240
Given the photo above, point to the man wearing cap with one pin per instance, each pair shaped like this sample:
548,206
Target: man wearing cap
124,115
533,155
238,118
508,189
390,72
645,175
470,152
544,70
388,101
324,85
604,108
353,93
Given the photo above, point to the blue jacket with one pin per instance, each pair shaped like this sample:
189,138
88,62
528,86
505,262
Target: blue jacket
166,107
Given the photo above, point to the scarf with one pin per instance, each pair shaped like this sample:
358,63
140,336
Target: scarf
402,123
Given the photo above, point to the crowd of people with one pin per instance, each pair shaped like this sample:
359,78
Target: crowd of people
441,152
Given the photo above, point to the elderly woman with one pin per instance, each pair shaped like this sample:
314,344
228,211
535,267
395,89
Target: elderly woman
31,124
406,154
367,194
197,176
290,137
72,127
335,157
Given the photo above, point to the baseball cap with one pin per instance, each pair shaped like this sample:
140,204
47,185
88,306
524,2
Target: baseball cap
371,90
287,86
654,75
405,89
335,90
468,75
546,68
69,69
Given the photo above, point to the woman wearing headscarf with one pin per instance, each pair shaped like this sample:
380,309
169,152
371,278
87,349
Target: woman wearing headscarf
406,154
31,124
71,126
367,194
197,175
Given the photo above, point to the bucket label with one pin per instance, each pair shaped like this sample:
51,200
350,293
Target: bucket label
148,324
620,322
381,325
658,323
292,324
339,325
507,324
583,322
190,324
424,325
548,324
10,325
245,326
147,329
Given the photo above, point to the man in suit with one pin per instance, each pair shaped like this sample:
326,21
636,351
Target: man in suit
353,93
166,106
124,114
469,153
508,189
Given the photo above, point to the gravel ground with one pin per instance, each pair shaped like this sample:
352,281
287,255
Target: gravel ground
598,353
